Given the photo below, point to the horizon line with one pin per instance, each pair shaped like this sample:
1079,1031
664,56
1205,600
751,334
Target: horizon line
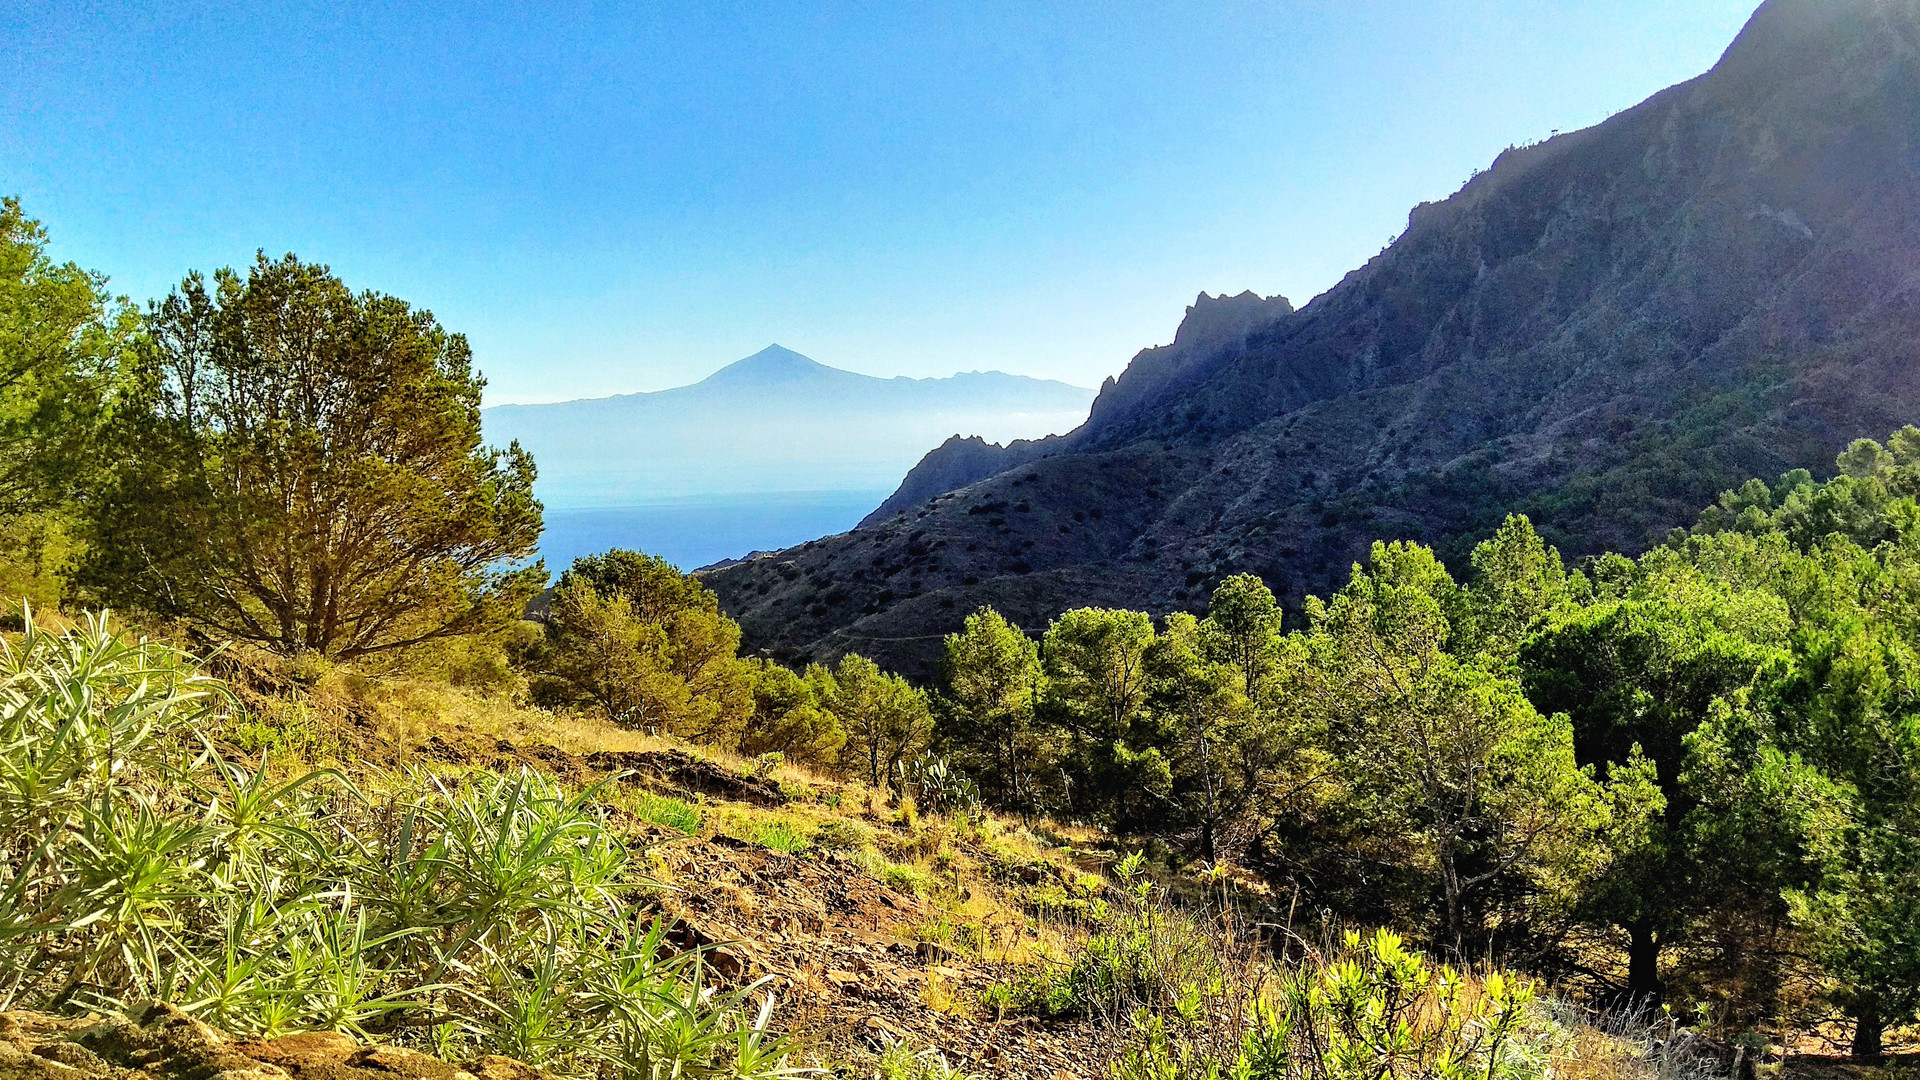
485,406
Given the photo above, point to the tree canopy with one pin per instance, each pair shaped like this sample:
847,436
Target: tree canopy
647,645
300,466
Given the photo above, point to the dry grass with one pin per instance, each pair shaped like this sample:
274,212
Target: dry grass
942,994
1591,1054
408,712
981,876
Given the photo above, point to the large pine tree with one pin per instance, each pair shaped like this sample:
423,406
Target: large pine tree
300,466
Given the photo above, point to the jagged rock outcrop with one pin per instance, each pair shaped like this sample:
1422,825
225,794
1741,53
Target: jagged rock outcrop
1601,330
1215,329
953,465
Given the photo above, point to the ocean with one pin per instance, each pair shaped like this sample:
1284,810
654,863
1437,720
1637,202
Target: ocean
697,531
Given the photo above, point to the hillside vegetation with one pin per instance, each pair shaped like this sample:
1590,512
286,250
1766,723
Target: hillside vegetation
600,913
338,762
327,779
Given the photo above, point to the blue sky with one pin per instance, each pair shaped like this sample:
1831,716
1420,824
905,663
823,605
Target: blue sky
609,198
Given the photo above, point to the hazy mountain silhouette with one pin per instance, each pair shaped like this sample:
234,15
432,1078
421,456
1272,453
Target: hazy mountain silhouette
776,421
1601,330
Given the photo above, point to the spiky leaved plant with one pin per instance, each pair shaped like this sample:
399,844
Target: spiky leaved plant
467,913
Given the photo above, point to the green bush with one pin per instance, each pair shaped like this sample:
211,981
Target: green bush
1197,1006
290,730
1139,953
666,810
946,930
907,879
1375,1009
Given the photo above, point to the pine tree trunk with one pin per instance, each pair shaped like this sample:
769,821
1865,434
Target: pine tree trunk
1456,916
1643,965
1206,774
1867,1030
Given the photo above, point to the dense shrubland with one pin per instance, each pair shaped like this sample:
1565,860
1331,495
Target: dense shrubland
1385,758
1689,777
1694,773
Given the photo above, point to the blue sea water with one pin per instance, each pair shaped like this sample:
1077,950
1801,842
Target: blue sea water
699,530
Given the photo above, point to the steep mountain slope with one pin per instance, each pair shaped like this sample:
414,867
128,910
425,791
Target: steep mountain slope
1601,330
776,421
1213,327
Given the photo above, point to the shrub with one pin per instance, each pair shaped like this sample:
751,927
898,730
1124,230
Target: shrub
897,876
135,864
635,639
906,878
666,810
1373,1009
1141,953
945,930
1194,1003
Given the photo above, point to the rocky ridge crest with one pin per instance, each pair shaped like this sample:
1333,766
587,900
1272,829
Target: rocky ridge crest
1602,330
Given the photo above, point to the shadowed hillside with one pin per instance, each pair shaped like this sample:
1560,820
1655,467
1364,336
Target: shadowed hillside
1601,330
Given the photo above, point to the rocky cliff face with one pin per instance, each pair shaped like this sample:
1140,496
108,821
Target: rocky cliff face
1601,330
1215,329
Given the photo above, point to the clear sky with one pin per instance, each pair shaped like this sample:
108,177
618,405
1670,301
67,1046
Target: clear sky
610,198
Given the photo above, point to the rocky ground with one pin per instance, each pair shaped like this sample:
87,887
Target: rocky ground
159,1042
841,947
847,952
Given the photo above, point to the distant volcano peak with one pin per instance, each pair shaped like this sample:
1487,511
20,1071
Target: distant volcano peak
773,364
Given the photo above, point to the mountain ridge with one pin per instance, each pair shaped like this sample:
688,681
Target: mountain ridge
776,421
1601,330
776,363
1211,326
